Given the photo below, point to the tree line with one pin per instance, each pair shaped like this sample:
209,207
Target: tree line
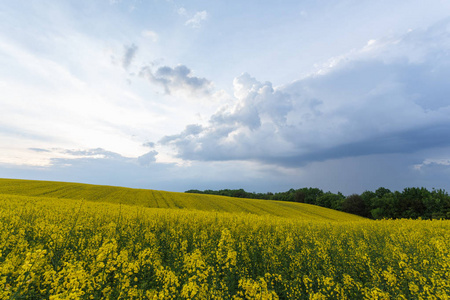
412,203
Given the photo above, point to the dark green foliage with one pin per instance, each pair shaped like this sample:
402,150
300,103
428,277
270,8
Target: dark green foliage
330,200
380,192
385,207
382,204
307,195
354,204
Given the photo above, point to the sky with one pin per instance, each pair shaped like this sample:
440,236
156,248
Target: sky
346,95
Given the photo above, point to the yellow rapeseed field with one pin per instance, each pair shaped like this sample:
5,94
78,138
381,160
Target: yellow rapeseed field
162,199
62,248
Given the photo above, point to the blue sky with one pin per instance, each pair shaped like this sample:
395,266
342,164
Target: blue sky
262,95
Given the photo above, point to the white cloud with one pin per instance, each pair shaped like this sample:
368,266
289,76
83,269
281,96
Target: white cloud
197,19
149,144
194,20
177,79
150,35
430,162
182,11
128,56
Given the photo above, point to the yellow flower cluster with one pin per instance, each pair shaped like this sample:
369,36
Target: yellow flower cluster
72,249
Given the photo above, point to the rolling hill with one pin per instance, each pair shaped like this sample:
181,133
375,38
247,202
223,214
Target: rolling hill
169,200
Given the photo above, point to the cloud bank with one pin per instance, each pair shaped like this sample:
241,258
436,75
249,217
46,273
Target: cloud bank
391,96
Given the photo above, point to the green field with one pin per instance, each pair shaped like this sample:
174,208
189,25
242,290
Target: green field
162,199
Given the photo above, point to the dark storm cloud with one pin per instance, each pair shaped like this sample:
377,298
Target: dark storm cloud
405,142
391,97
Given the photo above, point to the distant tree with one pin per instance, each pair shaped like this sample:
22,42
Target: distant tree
354,204
380,192
307,195
240,193
330,200
313,193
411,202
285,196
385,207
368,198
378,213
194,191
299,196
438,205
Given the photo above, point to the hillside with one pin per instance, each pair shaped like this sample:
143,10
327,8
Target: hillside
162,199
53,245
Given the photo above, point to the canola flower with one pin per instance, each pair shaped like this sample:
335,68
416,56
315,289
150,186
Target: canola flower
74,249
173,200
